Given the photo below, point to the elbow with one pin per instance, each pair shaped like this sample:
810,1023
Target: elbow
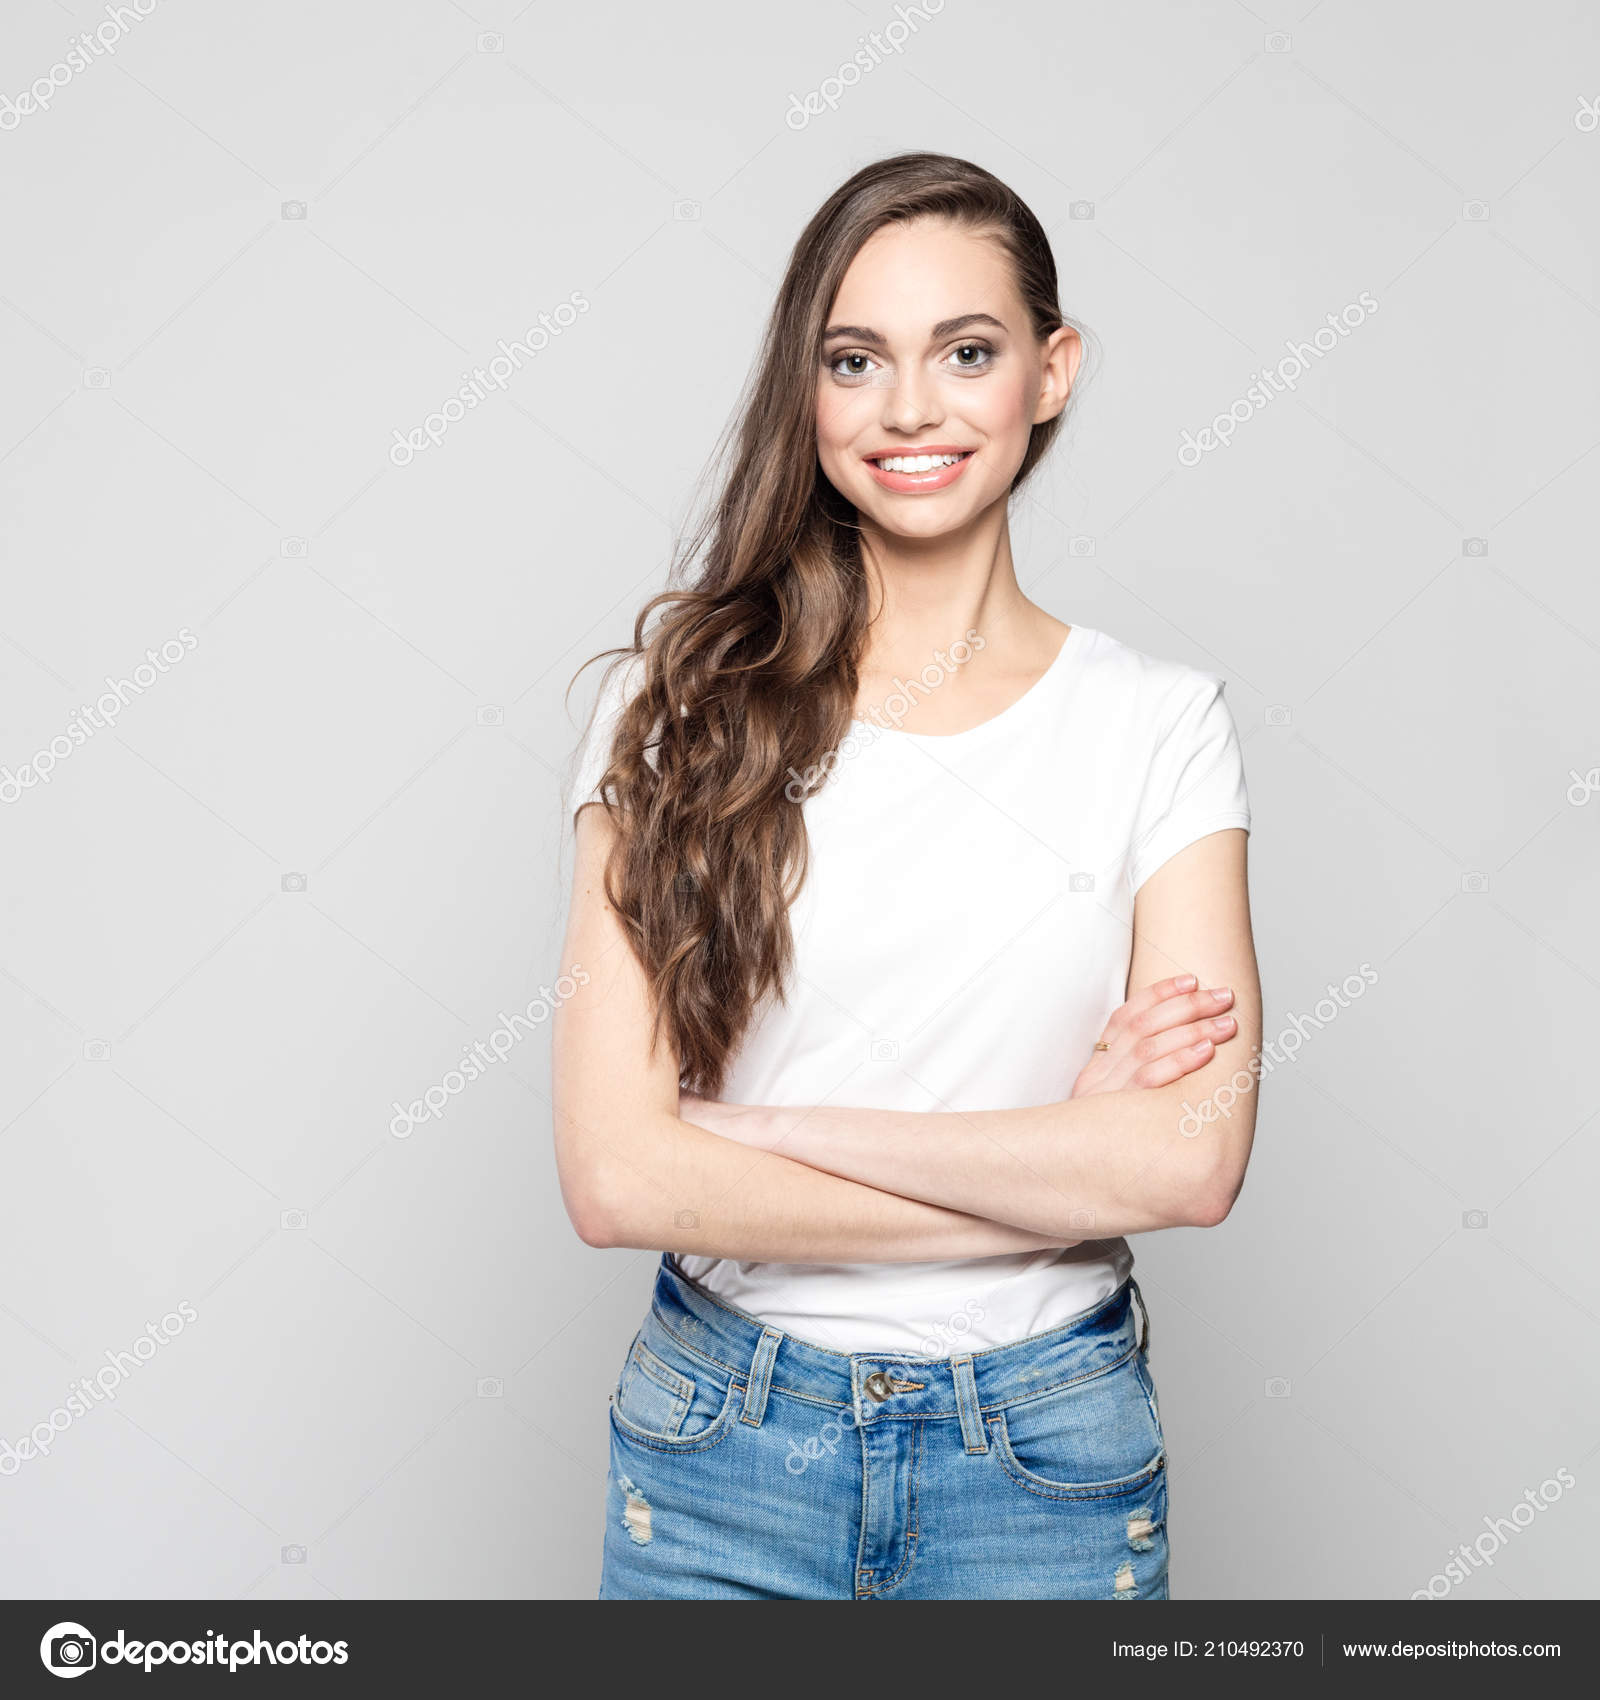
1211,1196
607,1179
1209,1208
592,1205
593,1223
1213,1168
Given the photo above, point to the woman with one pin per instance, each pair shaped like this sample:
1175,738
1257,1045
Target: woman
878,850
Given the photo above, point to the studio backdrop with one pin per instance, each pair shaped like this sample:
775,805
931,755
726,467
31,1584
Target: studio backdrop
288,1304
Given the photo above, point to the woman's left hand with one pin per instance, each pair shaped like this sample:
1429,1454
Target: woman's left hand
1158,1036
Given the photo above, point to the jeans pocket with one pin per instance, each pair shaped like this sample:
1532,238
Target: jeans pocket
660,1403
652,1394
1096,1439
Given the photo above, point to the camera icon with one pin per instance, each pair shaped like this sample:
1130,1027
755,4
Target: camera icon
1279,714
68,1649
1475,882
1278,42
1080,547
96,1050
491,1387
1474,1218
491,714
1080,1218
293,209
1080,882
685,209
1476,212
96,378
1475,547
294,548
1277,1387
1081,209
292,1219
885,1050
687,1219
293,882
293,1555
490,42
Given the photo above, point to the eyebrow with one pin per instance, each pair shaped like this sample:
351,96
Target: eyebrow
944,328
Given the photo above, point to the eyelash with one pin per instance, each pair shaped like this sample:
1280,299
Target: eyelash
838,360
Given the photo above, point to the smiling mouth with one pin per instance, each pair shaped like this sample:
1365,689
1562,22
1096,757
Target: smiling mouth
927,469
918,463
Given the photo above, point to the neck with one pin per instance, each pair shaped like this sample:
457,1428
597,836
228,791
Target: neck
928,593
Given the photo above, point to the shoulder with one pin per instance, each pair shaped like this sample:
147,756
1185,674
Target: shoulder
1142,693
621,679
1173,734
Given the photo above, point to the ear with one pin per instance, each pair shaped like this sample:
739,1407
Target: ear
1063,350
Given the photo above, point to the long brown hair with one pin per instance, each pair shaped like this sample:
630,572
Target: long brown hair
748,663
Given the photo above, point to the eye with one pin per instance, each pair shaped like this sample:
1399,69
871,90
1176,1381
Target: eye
852,365
970,356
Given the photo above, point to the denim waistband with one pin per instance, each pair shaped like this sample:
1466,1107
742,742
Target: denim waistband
882,1387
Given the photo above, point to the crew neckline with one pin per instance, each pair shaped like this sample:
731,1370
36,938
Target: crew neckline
1069,644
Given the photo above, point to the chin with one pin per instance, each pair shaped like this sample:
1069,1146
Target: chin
921,523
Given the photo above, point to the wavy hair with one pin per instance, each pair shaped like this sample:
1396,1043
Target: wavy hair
747,664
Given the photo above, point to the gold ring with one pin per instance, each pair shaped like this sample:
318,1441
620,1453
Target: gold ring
1101,1045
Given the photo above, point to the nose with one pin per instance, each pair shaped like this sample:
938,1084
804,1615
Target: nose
911,404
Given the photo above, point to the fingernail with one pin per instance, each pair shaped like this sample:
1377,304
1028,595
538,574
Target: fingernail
1187,982
1221,995
1221,1024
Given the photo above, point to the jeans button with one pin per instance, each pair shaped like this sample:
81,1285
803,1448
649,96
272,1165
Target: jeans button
877,1386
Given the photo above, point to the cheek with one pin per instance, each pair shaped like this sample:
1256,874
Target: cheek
840,418
1006,406
1004,414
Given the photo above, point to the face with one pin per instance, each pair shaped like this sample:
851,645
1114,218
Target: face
931,379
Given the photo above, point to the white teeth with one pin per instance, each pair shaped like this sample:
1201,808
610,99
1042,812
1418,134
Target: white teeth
916,463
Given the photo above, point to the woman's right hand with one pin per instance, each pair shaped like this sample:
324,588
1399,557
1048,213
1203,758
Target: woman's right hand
1158,1036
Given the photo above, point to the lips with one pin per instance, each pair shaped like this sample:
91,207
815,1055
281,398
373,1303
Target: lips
919,483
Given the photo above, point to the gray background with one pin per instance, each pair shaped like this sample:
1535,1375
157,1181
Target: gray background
200,395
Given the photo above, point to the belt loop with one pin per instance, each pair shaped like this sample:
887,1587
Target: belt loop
1144,1316
967,1404
755,1395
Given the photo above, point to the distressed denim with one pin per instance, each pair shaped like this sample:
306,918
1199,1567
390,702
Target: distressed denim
748,1465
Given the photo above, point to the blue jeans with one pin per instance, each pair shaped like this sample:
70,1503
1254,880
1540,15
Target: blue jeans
748,1465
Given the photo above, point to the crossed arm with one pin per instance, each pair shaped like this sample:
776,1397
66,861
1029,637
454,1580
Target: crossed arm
640,1167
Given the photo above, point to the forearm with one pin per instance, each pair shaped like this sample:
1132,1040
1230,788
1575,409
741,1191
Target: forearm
1089,1168
1105,1162
662,1184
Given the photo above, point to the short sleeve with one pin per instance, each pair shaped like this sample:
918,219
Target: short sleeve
594,753
1195,784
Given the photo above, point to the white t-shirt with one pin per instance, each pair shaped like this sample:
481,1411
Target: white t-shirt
963,933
